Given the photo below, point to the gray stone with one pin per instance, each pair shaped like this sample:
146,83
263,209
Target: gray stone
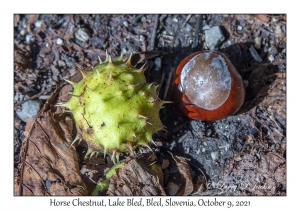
157,62
208,132
142,38
172,188
188,27
239,28
29,109
29,38
61,63
125,23
215,155
59,41
38,24
205,27
271,58
82,35
213,37
246,83
257,42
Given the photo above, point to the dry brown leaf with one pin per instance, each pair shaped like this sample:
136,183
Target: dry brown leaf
50,164
165,164
263,18
262,176
275,101
32,18
135,179
186,186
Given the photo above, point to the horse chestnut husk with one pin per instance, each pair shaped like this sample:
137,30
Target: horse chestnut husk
206,86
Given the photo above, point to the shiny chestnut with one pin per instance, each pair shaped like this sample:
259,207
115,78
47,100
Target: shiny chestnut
206,86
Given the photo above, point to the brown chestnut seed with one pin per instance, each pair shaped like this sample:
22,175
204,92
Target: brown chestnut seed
207,86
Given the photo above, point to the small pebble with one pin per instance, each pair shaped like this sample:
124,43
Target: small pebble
59,41
29,38
48,184
38,23
205,27
23,31
157,62
275,20
142,38
208,132
203,149
188,27
257,42
272,50
266,49
271,58
215,155
29,109
61,63
143,19
82,35
213,184
172,188
246,83
125,23
239,28
229,42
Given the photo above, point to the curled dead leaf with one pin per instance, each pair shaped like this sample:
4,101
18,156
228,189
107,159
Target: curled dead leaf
135,178
186,186
50,164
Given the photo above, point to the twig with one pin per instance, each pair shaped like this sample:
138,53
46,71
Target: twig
255,54
172,68
281,39
270,32
32,97
168,37
136,19
162,81
71,16
186,20
152,40
168,82
197,30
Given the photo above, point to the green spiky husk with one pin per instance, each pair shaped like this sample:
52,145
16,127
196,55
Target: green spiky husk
115,109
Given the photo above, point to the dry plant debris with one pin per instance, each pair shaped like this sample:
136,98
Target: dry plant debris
135,178
50,164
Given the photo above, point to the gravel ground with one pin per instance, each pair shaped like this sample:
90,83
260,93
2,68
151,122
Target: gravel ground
244,154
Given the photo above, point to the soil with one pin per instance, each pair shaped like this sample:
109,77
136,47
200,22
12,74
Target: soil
243,154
